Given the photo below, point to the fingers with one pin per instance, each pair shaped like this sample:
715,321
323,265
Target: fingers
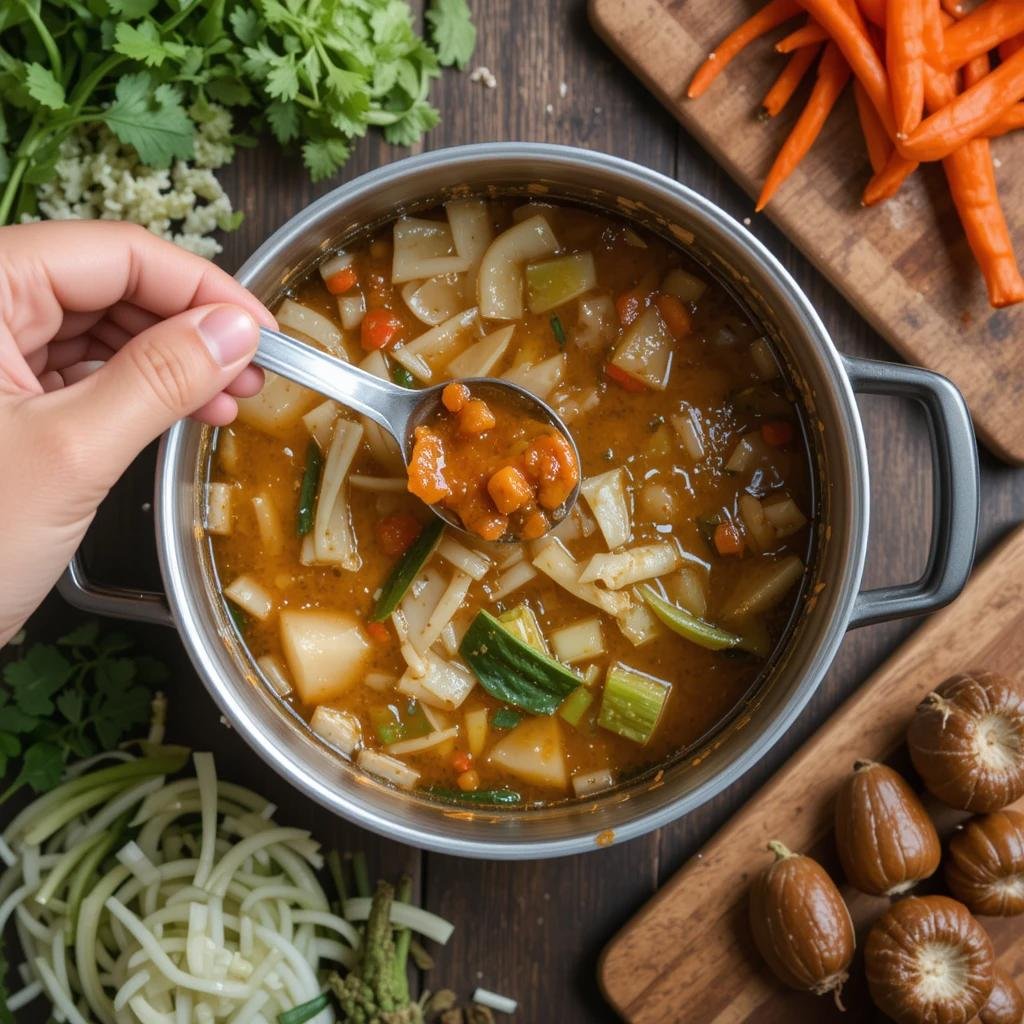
169,371
247,383
51,268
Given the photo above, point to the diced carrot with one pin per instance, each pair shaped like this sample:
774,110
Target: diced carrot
551,462
462,761
728,540
380,329
630,304
455,396
344,280
509,489
468,781
426,467
778,433
535,524
625,380
475,417
378,632
490,527
675,315
396,534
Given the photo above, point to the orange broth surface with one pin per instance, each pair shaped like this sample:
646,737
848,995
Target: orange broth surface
721,380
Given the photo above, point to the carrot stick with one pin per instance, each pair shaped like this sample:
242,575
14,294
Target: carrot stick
785,85
808,35
1011,121
875,139
904,60
1008,47
885,183
856,47
967,115
933,22
976,69
972,184
769,17
982,30
954,8
833,74
874,11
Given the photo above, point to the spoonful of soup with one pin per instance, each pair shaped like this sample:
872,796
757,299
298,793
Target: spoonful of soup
486,455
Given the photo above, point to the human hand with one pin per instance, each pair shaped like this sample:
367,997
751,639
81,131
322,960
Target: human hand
108,335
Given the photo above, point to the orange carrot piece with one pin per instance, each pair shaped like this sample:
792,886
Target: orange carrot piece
1011,121
874,11
770,16
727,540
968,114
1008,47
987,26
856,46
972,184
786,84
976,69
904,61
934,22
810,34
877,142
833,74
885,183
954,8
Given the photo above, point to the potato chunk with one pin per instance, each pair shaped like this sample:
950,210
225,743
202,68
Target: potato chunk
326,653
533,751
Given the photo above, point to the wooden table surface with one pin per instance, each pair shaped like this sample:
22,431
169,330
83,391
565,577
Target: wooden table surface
533,930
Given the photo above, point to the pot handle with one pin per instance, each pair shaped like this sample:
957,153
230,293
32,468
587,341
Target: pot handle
955,487
114,602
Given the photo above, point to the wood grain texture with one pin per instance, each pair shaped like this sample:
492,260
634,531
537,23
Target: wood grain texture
904,264
691,944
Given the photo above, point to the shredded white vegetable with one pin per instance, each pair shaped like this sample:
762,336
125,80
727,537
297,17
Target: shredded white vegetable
405,915
495,1001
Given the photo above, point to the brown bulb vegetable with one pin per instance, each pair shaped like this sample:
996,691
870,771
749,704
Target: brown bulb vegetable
800,923
967,741
929,962
985,867
1005,1004
885,838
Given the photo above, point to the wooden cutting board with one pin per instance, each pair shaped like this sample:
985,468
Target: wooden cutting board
903,264
690,946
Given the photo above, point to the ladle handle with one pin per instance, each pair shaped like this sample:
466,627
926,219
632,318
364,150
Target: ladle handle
383,402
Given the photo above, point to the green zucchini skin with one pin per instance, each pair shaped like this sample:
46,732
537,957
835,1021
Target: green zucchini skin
513,672
406,570
503,796
307,490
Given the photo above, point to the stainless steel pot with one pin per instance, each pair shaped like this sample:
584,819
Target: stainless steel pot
828,383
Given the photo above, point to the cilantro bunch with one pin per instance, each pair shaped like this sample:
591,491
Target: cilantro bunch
315,73
68,701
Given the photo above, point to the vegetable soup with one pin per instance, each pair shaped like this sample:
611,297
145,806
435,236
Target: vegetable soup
520,673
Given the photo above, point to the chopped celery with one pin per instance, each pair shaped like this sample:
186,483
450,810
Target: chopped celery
402,377
522,623
511,670
406,570
680,621
554,282
632,703
506,718
575,705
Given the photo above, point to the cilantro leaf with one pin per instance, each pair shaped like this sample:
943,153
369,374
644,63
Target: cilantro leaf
143,43
245,23
283,119
420,117
283,80
131,8
323,157
36,677
453,31
14,720
81,636
43,87
42,767
154,122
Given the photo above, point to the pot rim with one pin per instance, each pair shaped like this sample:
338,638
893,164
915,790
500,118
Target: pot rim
444,839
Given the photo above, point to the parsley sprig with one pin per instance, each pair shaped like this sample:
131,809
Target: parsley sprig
70,700
315,73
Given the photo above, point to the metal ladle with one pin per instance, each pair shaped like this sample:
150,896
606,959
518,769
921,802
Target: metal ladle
398,410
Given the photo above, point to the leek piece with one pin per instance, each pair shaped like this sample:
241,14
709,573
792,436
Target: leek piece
406,570
512,671
305,1011
308,489
575,706
680,621
632,703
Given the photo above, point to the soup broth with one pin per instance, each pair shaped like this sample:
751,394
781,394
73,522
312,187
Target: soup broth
623,636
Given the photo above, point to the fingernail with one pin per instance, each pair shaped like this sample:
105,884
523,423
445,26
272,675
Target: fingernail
229,334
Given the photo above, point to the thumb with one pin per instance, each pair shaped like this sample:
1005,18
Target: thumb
162,375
